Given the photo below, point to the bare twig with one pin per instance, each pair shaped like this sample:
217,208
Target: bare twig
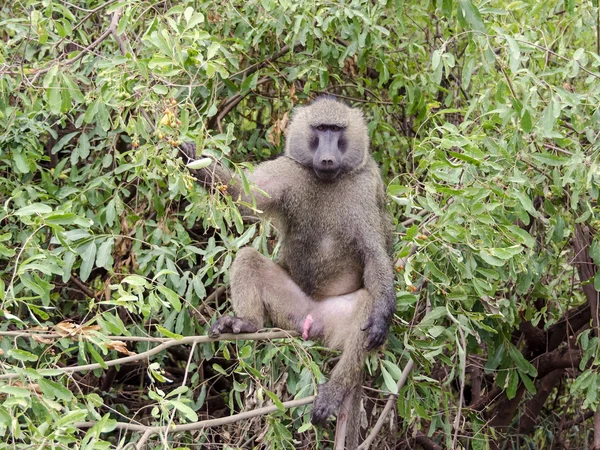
112,28
463,343
341,426
81,285
170,343
140,444
203,423
564,58
388,407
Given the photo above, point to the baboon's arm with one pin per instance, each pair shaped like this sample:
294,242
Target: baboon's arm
378,279
266,177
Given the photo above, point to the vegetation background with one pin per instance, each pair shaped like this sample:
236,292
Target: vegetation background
484,117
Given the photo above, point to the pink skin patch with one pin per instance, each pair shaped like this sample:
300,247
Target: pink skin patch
306,326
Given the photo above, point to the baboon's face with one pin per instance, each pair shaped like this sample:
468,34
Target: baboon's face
328,144
328,137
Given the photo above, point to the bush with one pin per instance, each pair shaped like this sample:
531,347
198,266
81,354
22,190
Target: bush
484,118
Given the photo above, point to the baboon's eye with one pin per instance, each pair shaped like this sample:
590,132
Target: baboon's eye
314,143
321,128
335,128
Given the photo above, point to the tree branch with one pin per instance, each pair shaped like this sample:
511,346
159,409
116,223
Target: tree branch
169,343
149,430
388,407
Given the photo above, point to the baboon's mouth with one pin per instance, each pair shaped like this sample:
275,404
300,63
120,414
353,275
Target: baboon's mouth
327,174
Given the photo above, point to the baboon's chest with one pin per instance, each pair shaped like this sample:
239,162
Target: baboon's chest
317,240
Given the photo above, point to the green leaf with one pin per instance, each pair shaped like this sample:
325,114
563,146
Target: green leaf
167,333
597,281
393,369
71,417
505,253
275,400
549,159
526,122
33,209
514,52
491,260
87,261
22,355
595,252
390,384
527,382
469,16
55,96
199,163
52,389
135,280
522,364
160,89
104,257
525,202
171,297
521,236
96,356
513,384
185,410
15,391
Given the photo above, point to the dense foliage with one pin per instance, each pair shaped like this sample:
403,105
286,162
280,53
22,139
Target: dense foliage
485,119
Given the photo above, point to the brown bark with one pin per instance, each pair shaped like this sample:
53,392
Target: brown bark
426,443
502,415
587,270
535,405
561,358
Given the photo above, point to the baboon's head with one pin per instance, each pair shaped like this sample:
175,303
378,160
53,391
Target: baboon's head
329,137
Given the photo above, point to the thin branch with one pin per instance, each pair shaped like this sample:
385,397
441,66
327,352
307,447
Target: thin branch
140,444
284,50
564,58
388,407
112,28
420,214
170,343
81,285
579,419
32,334
203,423
463,343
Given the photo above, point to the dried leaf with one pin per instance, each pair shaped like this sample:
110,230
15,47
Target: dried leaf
119,346
42,340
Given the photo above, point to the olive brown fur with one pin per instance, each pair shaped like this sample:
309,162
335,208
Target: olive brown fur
334,278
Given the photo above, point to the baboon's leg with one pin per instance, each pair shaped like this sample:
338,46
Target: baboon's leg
261,288
348,336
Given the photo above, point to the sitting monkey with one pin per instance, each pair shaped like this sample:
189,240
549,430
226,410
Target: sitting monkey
334,279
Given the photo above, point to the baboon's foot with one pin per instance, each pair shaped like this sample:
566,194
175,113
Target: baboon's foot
328,402
230,324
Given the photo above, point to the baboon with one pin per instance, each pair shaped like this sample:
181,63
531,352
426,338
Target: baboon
334,277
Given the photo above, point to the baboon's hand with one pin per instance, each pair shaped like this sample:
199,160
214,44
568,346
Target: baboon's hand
229,324
377,327
328,402
188,149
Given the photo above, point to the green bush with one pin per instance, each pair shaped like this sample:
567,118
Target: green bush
485,119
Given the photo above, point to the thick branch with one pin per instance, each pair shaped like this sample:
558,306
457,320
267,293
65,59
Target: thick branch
426,443
535,405
561,358
573,319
